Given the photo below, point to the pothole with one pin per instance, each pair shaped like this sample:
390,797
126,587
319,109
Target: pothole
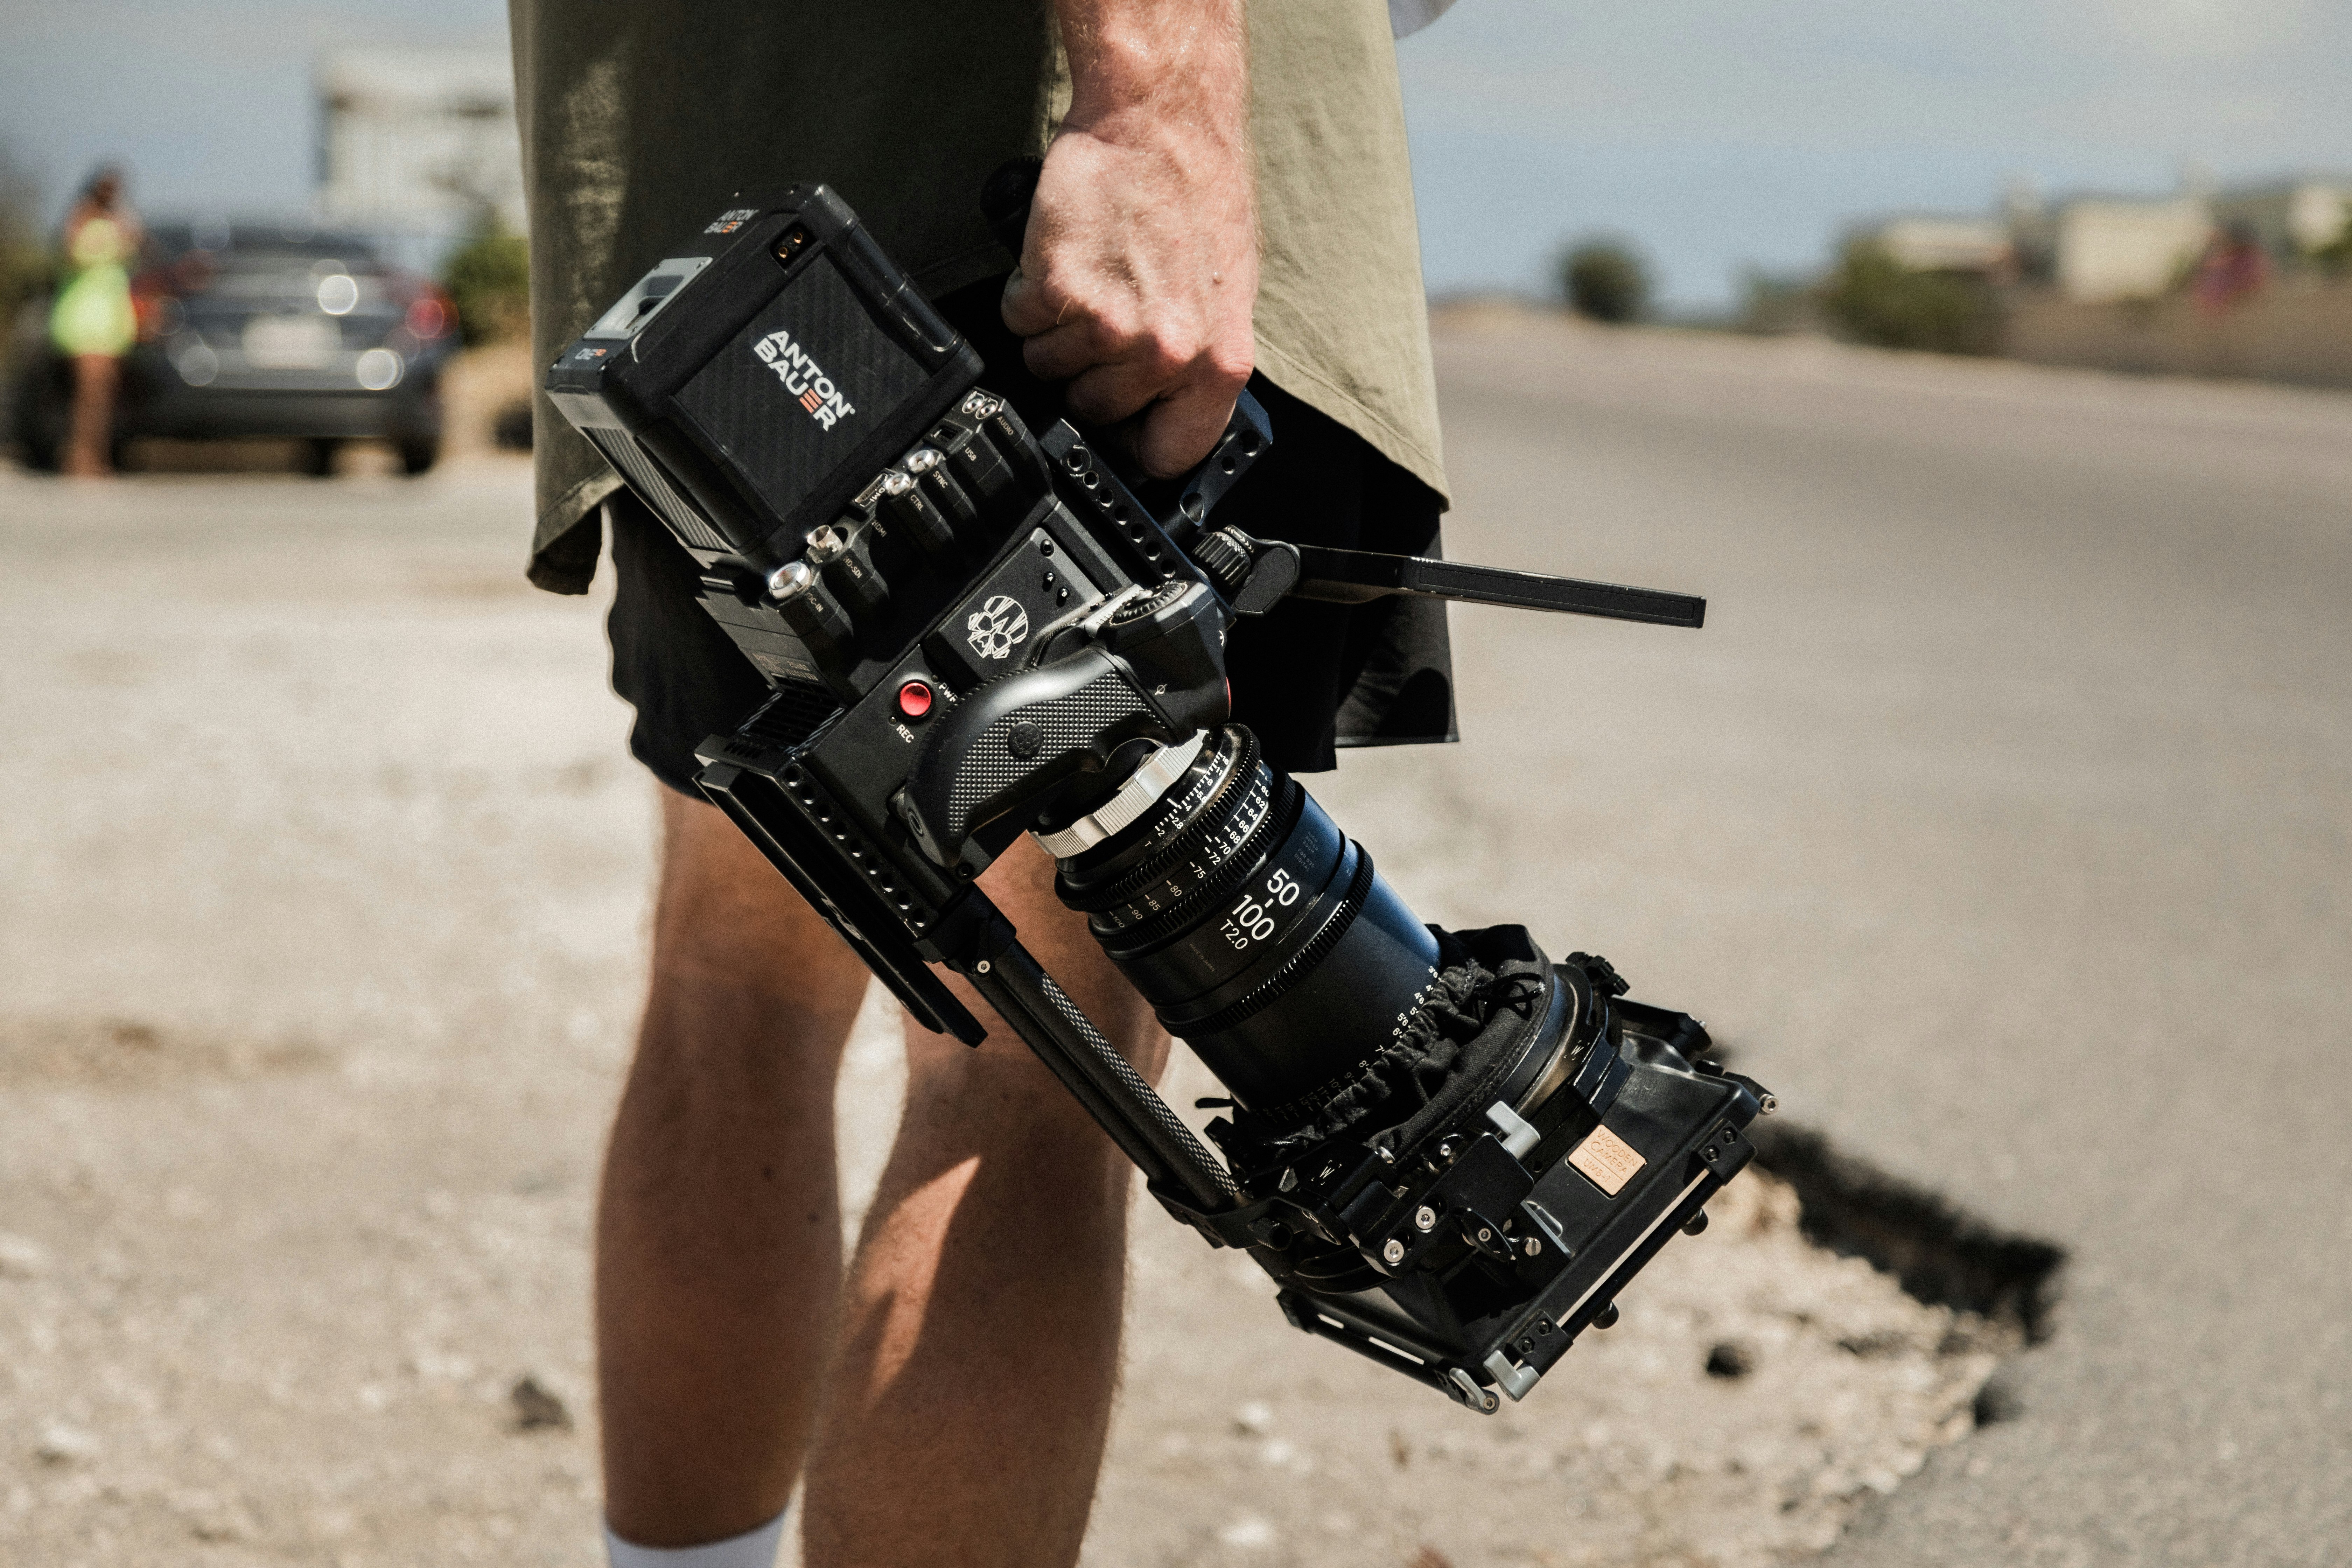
132,1053
1937,1253
1757,1392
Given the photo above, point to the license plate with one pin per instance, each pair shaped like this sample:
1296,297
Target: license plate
290,342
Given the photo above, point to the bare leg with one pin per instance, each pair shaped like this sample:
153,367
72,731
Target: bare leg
964,1419
92,429
718,1227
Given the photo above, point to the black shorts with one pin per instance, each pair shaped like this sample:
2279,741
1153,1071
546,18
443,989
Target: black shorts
1306,677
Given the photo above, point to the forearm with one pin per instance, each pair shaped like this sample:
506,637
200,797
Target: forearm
1139,269
1166,82
1168,64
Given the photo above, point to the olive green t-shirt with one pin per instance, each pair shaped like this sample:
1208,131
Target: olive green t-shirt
641,117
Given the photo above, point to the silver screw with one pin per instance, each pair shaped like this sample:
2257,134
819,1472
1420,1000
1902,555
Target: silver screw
1485,1235
1394,1252
1424,1219
982,966
1771,1103
1535,1244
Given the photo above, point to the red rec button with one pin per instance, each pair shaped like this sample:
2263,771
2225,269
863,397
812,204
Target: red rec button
915,698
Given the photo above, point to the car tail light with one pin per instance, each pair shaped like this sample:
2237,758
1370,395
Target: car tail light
429,316
155,308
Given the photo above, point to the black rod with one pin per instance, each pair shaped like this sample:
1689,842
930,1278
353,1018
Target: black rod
1111,1090
1357,576
1057,1060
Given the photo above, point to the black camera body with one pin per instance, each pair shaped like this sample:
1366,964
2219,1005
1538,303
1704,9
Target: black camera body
1449,1152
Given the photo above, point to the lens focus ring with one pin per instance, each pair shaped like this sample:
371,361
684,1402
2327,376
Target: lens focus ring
1258,929
1182,831
1221,861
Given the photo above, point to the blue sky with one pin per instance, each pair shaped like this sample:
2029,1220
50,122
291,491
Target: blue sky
1717,134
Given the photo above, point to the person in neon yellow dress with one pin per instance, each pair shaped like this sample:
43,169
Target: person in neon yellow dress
92,321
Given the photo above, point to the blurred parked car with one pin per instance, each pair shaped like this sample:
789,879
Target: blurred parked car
260,330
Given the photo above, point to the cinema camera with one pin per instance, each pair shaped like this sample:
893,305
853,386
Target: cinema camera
1450,1153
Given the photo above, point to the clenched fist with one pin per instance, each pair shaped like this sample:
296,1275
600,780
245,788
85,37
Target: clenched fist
1139,270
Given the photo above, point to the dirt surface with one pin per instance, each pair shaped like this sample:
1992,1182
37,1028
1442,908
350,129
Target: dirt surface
326,873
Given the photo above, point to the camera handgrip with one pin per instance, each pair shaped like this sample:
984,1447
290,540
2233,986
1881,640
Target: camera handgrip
1012,740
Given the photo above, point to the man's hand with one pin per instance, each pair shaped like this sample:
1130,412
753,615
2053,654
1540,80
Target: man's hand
1140,269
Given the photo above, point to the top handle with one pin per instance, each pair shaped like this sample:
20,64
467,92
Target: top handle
1004,199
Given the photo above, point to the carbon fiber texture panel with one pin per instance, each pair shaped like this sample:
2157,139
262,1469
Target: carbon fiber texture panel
1065,724
787,403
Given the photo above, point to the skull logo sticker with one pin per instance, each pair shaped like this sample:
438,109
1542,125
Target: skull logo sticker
997,627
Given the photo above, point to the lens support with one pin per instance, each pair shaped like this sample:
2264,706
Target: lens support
1139,794
1449,1153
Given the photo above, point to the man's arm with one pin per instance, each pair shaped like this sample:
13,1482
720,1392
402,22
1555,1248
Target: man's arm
1140,269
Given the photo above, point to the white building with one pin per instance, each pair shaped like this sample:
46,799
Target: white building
2107,248
1933,244
418,143
2100,249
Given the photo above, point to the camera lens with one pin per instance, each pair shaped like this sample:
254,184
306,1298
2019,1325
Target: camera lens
1259,932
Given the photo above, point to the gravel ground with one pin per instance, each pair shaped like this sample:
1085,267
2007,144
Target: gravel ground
321,925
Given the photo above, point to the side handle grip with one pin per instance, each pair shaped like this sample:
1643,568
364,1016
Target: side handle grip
1005,745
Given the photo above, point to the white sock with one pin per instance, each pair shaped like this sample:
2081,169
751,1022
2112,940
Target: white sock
752,1549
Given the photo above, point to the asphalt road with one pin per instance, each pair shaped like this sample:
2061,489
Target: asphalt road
2000,816
1995,820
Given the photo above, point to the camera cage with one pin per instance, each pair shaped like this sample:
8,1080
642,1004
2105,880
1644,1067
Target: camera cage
971,631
